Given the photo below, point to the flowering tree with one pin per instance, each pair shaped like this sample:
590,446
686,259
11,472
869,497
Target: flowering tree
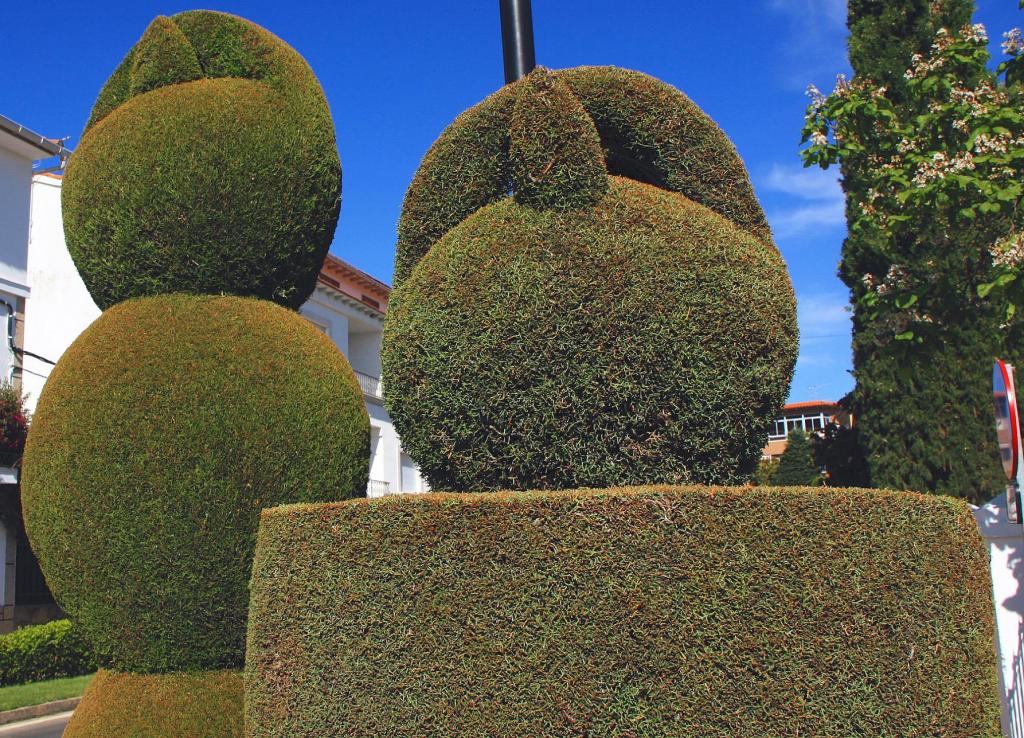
938,188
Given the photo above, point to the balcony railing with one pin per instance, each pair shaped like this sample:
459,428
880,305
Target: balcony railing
370,386
377,488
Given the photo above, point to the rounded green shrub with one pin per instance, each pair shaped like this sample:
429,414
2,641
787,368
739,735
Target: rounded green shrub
587,294
644,340
555,153
48,651
196,705
209,166
797,467
161,433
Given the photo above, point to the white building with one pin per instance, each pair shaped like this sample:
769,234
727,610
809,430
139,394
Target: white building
20,148
348,305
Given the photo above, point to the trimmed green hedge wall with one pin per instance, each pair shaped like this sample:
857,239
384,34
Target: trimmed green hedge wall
209,165
183,705
684,612
49,651
161,433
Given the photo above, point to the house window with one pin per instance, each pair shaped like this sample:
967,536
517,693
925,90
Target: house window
782,427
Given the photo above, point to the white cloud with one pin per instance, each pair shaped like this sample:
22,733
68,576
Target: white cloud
812,183
823,315
807,218
815,14
824,346
819,200
815,47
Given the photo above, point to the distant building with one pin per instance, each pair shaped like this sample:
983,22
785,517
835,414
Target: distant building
810,417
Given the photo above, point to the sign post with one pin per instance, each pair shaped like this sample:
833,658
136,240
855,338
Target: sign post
1004,397
517,38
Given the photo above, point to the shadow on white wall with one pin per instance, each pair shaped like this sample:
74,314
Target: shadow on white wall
1006,549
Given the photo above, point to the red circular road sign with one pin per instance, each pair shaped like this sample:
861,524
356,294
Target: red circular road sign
1004,397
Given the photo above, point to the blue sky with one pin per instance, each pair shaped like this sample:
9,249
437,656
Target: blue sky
396,73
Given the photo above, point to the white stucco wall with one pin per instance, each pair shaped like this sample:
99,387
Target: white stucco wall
364,352
357,331
1006,550
321,311
60,308
15,195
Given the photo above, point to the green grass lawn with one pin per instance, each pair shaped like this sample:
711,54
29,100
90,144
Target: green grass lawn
36,693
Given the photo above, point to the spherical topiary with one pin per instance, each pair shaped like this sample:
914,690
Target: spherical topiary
590,330
161,433
197,705
645,340
208,166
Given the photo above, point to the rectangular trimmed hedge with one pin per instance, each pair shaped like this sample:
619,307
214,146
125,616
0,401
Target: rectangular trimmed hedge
634,613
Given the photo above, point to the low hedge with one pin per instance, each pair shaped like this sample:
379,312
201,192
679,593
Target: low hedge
658,611
181,705
49,651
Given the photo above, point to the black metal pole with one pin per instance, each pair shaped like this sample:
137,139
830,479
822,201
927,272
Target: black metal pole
517,38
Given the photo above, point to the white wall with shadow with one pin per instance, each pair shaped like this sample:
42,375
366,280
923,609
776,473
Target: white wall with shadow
1006,549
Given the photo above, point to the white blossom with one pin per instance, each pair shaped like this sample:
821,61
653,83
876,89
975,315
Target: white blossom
1008,251
817,98
941,165
976,33
1013,43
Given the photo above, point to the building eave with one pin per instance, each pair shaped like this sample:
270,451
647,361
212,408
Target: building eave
330,291
336,267
33,145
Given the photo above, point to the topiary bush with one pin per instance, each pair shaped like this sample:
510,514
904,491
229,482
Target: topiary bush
590,330
658,611
161,433
208,165
49,651
649,131
797,467
199,705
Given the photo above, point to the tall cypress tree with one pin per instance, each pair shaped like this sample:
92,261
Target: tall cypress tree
925,417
